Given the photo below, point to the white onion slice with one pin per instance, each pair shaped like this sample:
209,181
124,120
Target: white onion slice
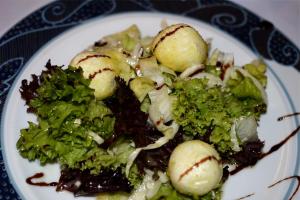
96,137
158,143
191,70
212,79
148,188
246,129
160,111
234,139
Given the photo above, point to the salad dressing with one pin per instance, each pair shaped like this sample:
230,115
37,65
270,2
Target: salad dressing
93,56
168,34
196,72
287,178
244,197
197,164
91,76
272,149
288,115
274,184
42,184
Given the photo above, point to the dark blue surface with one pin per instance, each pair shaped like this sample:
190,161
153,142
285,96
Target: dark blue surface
51,20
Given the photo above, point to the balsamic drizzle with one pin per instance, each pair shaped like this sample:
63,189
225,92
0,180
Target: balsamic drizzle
244,197
286,116
287,178
42,184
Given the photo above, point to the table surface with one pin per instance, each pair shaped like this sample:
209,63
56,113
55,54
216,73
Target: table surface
284,14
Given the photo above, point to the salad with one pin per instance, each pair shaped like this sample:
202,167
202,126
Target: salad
132,117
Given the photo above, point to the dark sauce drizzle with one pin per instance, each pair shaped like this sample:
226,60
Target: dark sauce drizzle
247,196
161,86
196,72
287,178
272,149
237,169
274,184
286,116
92,56
280,144
168,34
197,164
36,176
91,76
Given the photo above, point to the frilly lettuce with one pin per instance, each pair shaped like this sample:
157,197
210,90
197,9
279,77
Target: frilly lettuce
167,192
66,113
200,108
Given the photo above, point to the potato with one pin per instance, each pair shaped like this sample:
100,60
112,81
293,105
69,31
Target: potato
194,168
179,46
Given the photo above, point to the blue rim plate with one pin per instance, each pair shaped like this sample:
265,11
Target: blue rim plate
34,31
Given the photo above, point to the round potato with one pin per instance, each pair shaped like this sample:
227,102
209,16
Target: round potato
179,46
194,168
100,69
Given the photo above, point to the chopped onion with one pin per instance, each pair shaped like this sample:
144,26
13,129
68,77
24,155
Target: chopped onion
77,121
150,69
191,70
160,111
96,137
158,143
148,188
229,72
225,59
136,54
212,79
246,129
167,70
234,139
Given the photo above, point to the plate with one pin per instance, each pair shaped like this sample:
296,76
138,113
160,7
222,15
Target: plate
60,30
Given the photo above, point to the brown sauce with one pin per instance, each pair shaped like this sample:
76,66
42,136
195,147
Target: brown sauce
98,72
36,176
278,182
100,44
197,164
92,56
287,178
272,149
280,144
159,121
168,34
286,116
126,53
247,196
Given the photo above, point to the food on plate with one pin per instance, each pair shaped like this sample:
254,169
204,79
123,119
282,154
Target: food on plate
149,118
194,168
179,46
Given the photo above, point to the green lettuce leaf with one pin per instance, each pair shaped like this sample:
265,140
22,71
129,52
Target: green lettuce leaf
66,112
258,70
210,111
167,192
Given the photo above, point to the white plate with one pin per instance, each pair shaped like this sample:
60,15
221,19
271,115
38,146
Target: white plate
60,50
